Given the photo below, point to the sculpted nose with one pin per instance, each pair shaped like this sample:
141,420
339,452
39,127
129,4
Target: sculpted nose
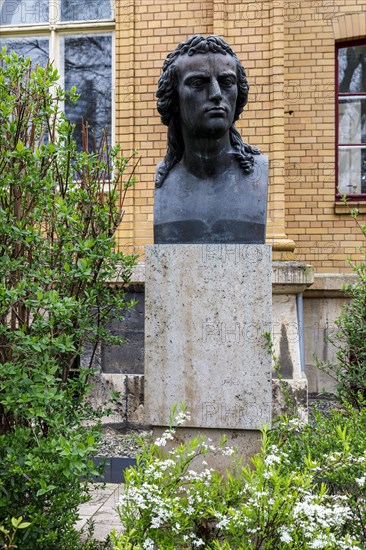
215,90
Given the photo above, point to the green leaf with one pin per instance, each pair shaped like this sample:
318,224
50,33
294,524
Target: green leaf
16,521
24,525
19,147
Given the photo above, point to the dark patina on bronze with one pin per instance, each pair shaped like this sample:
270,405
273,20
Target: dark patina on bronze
211,187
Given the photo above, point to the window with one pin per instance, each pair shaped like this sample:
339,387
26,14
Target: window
351,116
77,36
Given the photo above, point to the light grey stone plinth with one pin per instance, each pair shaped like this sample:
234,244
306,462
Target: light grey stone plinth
207,308
247,442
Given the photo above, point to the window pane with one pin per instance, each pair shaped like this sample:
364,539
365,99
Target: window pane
352,120
352,69
76,10
35,48
352,170
23,12
88,66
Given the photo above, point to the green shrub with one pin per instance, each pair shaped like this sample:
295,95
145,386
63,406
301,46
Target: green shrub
306,489
350,339
350,336
59,210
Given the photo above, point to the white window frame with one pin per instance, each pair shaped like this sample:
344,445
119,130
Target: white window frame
55,29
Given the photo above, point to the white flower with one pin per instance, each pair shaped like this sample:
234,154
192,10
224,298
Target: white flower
161,442
295,424
228,451
285,536
225,521
181,418
197,542
271,459
148,544
156,522
360,481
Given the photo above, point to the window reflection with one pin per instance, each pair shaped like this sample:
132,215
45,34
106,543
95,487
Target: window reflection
352,69
34,12
79,10
24,12
35,48
352,120
87,65
82,60
351,170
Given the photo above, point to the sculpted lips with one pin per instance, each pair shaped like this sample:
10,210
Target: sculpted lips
216,110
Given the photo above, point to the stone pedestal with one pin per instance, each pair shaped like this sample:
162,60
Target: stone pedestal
207,308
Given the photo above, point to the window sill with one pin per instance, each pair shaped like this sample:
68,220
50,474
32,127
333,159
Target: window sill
341,208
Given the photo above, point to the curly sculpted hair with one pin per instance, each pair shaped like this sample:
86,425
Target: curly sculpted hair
168,104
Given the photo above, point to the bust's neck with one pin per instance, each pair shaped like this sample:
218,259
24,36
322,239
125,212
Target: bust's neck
206,157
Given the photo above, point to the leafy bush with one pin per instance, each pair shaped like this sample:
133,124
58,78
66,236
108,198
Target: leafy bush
350,339
306,489
350,336
59,211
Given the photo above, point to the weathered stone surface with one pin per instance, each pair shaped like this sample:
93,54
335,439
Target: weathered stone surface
291,277
207,308
319,325
127,409
127,358
330,285
290,397
323,303
288,280
285,335
246,442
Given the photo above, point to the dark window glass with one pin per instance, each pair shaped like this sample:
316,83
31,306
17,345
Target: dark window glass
351,170
87,65
352,69
76,10
24,12
35,48
352,119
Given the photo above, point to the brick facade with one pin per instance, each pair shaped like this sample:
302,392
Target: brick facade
288,49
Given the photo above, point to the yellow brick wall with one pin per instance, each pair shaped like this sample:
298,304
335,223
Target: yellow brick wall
323,238
288,51
146,31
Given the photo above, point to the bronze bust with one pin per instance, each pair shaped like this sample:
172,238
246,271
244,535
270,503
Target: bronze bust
211,187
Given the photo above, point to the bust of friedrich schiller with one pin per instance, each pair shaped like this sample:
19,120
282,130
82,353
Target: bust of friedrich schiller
211,187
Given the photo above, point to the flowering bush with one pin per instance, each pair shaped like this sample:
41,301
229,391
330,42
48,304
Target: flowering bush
304,490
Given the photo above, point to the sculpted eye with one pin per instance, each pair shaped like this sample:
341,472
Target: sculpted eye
196,82
227,81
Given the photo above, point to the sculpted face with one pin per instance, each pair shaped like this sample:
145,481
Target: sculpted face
207,93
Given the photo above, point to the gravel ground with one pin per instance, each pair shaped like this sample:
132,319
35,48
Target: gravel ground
126,443
323,403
